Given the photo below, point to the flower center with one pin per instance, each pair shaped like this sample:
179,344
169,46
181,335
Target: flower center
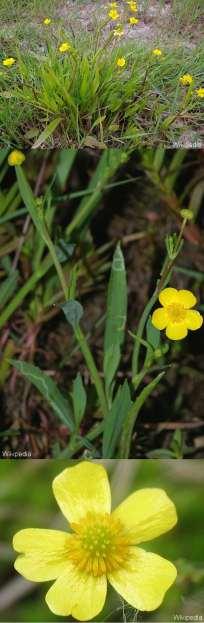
99,545
176,312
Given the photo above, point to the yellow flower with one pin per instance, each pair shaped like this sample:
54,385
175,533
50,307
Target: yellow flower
133,20
113,5
200,92
16,158
176,315
101,546
118,32
157,52
133,6
64,47
121,62
186,79
113,14
8,62
47,21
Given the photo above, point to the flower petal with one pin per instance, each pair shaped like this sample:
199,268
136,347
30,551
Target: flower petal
194,320
186,298
145,579
160,318
45,553
176,330
78,594
147,514
168,296
81,489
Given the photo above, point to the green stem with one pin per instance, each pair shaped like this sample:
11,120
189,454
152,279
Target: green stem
132,416
161,283
92,368
77,444
26,289
57,265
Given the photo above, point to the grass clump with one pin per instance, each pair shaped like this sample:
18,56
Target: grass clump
99,90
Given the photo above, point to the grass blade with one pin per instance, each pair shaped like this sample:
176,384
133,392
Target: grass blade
51,127
116,319
133,414
49,390
114,422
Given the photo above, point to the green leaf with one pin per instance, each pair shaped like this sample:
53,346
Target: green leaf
79,399
42,138
49,390
73,312
64,250
66,160
161,453
8,287
35,211
106,168
113,423
115,319
153,334
133,414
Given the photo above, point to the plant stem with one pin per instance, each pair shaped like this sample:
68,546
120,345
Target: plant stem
57,265
133,414
161,283
92,368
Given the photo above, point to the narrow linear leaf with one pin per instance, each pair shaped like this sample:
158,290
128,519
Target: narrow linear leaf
66,160
51,127
79,399
114,421
116,318
8,287
30,203
133,414
49,390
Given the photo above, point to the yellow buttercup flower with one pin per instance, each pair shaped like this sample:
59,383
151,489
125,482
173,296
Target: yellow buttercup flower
200,92
121,62
64,47
186,79
133,6
113,14
47,21
8,62
133,20
118,32
176,315
102,546
157,52
16,158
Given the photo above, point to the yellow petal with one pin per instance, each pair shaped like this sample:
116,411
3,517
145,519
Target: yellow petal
78,594
160,318
176,330
186,298
147,513
167,296
81,489
145,580
45,553
194,320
